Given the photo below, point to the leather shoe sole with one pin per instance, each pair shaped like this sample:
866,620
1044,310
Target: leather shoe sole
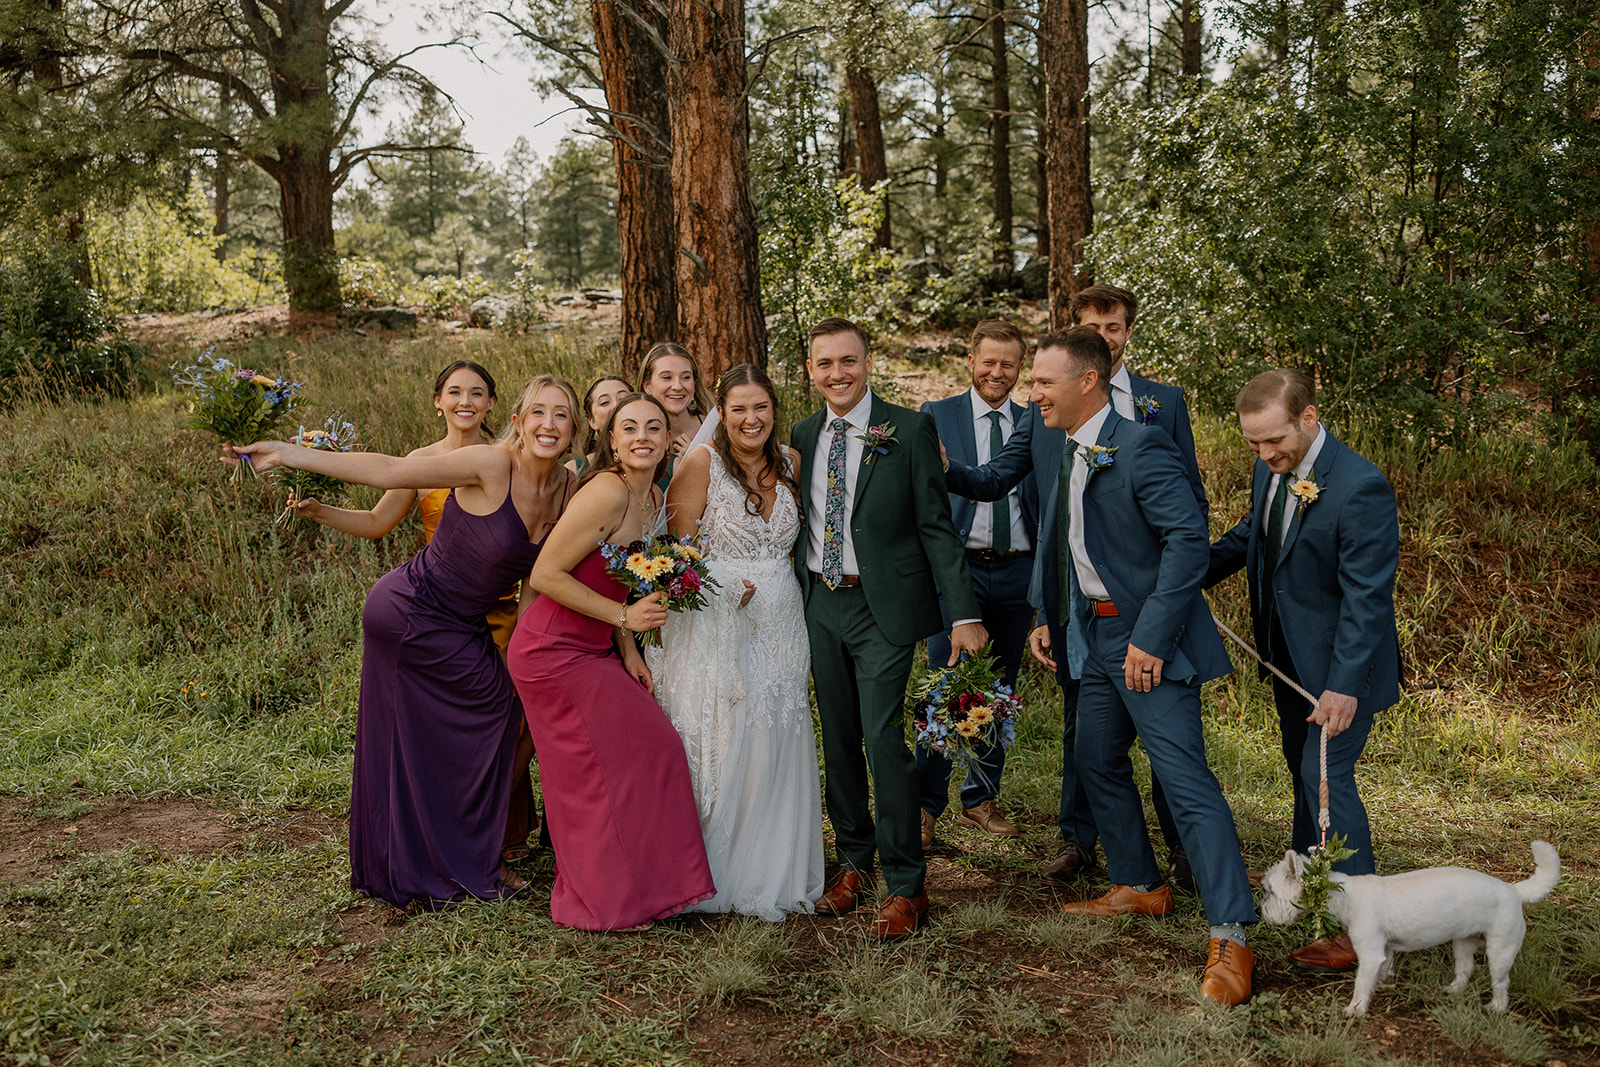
1125,900
843,894
900,917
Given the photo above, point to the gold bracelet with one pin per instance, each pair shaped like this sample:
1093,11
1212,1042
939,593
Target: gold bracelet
623,623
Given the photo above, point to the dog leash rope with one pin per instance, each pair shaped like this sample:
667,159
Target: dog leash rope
1322,755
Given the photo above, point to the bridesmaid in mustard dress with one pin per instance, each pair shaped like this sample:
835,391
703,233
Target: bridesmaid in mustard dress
463,397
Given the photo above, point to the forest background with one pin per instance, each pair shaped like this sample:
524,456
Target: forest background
1402,199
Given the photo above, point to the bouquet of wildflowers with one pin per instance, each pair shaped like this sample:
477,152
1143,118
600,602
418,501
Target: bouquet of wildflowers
336,435
960,707
664,562
237,404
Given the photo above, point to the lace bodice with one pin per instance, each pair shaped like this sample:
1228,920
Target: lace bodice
728,530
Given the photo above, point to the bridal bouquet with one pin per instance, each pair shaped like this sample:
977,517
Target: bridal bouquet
336,435
961,707
664,562
237,404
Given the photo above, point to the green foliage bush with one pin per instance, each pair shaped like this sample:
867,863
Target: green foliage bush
57,337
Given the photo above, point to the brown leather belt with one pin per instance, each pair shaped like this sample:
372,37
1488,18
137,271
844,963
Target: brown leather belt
849,581
1103,607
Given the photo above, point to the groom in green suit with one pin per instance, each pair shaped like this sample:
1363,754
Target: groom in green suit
879,547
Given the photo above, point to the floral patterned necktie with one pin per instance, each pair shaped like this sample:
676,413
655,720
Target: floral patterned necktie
833,513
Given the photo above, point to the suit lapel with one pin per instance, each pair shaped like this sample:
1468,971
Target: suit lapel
966,432
880,415
1319,472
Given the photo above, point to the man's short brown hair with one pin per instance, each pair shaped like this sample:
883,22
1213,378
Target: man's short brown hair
1086,350
831,326
1289,388
996,330
1103,298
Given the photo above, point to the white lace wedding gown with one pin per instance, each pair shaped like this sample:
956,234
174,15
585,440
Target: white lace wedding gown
733,681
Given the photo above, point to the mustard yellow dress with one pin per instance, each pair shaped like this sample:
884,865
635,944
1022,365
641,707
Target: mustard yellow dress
502,618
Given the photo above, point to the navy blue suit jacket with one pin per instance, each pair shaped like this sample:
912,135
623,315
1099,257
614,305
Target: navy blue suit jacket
952,417
1333,581
1145,534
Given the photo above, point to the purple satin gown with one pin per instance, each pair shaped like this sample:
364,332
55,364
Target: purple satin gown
617,794
437,729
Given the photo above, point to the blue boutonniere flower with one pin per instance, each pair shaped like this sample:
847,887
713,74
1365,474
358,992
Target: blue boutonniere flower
1147,408
877,439
1097,457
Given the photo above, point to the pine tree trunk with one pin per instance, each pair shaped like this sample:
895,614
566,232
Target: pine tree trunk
1000,130
1193,26
305,193
635,72
1064,54
1041,193
869,138
718,268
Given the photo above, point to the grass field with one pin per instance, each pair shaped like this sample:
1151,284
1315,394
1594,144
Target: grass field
179,681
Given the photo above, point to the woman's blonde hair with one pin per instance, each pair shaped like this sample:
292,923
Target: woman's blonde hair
511,436
701,404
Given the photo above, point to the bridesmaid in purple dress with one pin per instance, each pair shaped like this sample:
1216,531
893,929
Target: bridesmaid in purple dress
437,724
618,797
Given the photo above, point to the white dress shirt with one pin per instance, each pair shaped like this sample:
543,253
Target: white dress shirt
982,533
1122,393
1303,470
859,418
1089,583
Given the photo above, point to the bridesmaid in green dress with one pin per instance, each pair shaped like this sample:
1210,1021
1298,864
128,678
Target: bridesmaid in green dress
602,396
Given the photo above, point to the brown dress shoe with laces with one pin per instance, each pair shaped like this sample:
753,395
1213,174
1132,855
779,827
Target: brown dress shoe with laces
842,894
1073,861
900,917
1124,900
987,817
928,819
1228,971
1327,954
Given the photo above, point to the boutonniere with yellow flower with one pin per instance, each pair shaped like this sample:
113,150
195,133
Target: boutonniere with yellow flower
1097,457
877,439
1147,408
1305,491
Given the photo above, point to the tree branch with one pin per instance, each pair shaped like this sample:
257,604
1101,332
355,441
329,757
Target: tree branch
384,70
564,50
648,30
183,65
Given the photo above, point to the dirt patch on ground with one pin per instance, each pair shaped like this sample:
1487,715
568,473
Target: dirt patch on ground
35,835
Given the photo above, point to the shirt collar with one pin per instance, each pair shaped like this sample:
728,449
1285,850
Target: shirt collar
1120,380
1304,469
1089,432
981,408
859,417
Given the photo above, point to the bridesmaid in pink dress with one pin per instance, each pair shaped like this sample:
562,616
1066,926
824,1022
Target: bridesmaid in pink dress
618,797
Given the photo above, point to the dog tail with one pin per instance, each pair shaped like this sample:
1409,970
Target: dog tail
1545,875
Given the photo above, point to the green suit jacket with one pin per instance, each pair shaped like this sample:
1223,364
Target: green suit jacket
906,545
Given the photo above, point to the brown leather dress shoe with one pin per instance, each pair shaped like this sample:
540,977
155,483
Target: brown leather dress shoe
928,819
1124,900
1228,971
1328,954
987,817
900,917
1180,876
1073,861
842,894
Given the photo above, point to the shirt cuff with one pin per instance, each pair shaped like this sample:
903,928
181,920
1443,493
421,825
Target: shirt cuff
963,622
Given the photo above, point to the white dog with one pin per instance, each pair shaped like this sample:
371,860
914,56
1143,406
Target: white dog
1420,909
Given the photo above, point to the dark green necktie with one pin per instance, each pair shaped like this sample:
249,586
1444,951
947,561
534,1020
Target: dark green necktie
1001,513
1269,555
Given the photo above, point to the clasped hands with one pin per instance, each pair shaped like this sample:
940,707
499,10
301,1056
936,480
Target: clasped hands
1141,670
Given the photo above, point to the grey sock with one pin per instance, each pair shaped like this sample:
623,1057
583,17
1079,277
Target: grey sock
1232,931
1145,887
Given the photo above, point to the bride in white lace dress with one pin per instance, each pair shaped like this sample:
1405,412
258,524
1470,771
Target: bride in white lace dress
732,677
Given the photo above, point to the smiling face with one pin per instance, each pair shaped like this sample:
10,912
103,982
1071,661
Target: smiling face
604,398
748,413
838,367
638,435
671,381
1281,440
1112,324
1066,400
464,400
548,424
995,366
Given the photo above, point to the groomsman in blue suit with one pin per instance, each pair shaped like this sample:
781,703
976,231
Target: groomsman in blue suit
974,426
1122,553
1320,546
1036,450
